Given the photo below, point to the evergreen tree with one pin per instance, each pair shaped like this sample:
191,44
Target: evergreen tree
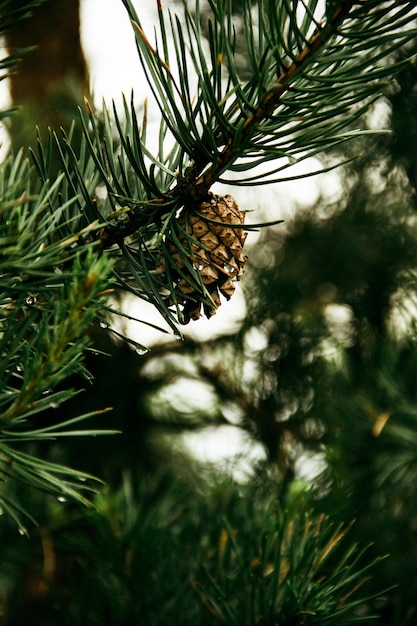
121,217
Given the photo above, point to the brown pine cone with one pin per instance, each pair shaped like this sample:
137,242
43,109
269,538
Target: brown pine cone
215,251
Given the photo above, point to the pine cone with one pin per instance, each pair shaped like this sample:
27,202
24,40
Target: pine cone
215,251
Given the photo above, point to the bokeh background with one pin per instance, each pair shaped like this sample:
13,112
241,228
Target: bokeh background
301,390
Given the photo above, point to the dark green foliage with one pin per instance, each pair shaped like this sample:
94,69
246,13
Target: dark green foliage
172,552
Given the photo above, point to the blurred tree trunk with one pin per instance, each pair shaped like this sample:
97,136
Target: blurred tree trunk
52,77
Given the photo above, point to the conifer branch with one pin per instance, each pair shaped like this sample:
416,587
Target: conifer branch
309,79
233,148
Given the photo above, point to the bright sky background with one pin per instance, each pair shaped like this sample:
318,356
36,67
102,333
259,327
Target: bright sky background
109,46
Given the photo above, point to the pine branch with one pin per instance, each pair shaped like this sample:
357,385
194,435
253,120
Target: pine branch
293,570
51,291
236,116
263,111
309,78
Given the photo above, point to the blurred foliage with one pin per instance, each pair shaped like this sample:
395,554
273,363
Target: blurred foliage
175,550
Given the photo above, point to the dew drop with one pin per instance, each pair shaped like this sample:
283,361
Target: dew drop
141,350
19,368
103,325
31,300
21,531
229,269
61,499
